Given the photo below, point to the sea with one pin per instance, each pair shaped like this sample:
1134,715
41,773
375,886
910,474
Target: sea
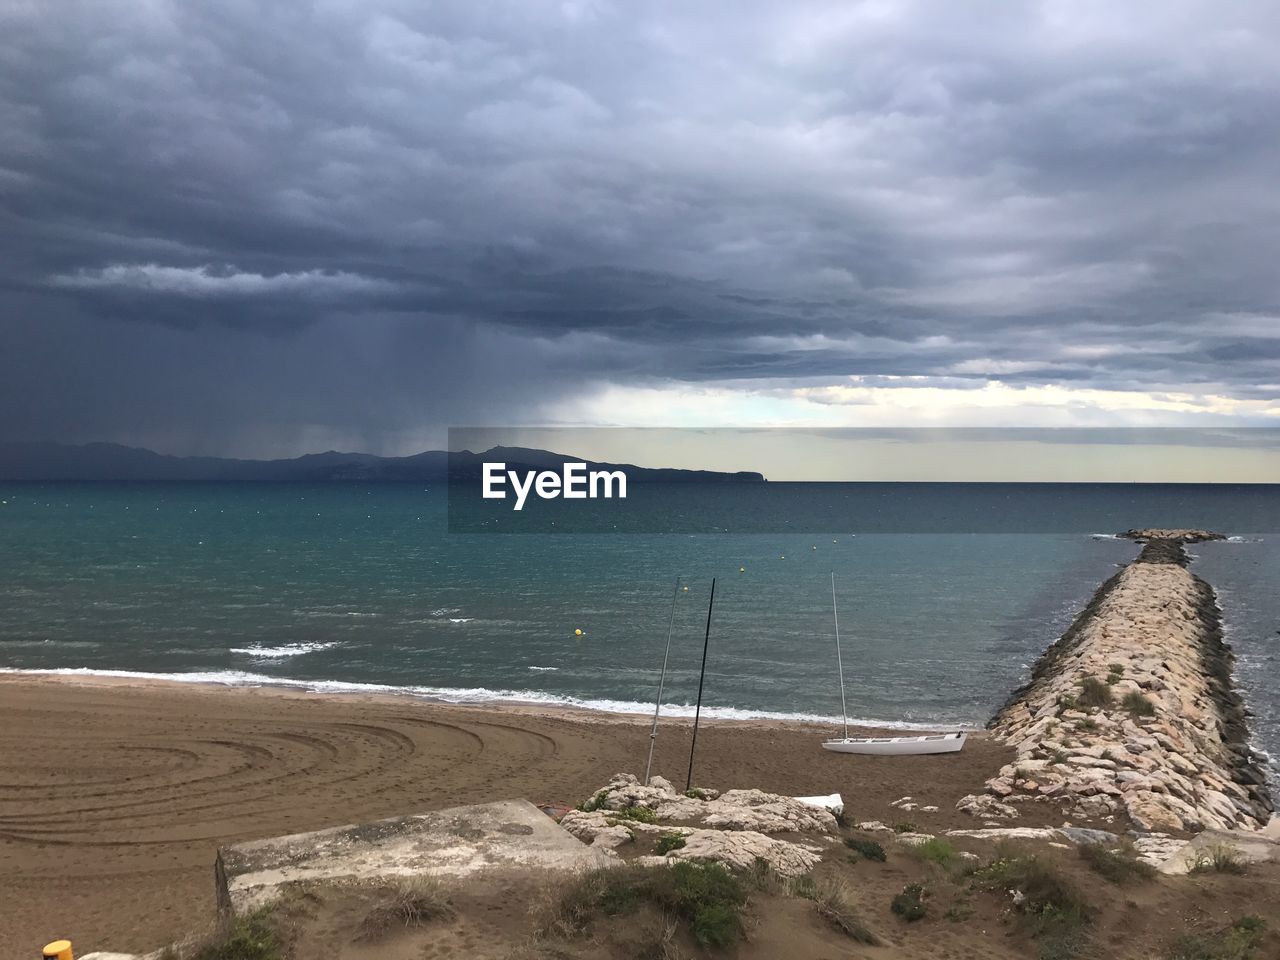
347,587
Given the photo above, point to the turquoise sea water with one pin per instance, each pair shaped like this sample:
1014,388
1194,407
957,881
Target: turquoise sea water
332,586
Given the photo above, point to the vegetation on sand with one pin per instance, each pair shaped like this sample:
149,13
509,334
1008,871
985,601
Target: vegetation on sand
1120,866
250,937
869,849
909,904
937,851
412,903
1236,942
1050,908
832,901
706,896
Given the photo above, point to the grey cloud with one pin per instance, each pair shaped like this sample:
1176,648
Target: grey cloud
205,281
523,200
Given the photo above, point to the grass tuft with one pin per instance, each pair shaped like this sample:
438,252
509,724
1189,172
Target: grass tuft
832,902
1051,910
1137,704
937,851
761,876
909,904
716,924
1119,866
660,943
638,814
250,937
870,849
805,887
1221,858
905,826
705,895
412,903
1236,942
959,912
1094,693
595,802
668,842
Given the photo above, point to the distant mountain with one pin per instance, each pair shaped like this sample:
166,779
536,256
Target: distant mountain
111,461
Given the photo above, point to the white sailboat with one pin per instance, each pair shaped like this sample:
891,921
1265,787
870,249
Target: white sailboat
883,746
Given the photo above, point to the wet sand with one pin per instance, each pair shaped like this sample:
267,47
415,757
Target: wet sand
115,794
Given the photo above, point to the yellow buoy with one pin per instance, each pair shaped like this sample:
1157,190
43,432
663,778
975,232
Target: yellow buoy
577,633
686,589
58,950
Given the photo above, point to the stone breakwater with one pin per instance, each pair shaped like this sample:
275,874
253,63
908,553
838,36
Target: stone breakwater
1133,709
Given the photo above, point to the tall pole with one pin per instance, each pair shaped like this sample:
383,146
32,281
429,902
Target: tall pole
844,710
697,713
662,677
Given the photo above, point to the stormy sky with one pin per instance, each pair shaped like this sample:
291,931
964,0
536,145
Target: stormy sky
265,229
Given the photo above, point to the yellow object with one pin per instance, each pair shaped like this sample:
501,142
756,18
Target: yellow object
742,569
686,589
577,633
58,950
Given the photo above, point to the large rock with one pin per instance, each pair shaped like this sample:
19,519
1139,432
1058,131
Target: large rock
767,813
598,829
986,807
741,849
731,810
1246,847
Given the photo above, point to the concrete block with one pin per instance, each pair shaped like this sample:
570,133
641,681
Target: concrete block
448,843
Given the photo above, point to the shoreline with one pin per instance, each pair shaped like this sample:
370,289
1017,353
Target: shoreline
90,676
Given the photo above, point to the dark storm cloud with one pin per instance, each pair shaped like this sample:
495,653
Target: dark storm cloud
250,226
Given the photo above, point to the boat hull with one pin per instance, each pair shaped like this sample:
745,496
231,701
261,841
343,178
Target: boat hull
898,746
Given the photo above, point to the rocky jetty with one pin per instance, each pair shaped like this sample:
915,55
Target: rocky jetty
1133,709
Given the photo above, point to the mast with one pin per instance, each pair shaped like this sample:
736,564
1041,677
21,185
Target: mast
844,710
662,677
697,713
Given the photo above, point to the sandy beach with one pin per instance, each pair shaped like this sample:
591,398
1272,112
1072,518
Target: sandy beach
115,794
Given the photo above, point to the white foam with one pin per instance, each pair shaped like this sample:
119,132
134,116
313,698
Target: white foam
461,619
280,653
477,696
